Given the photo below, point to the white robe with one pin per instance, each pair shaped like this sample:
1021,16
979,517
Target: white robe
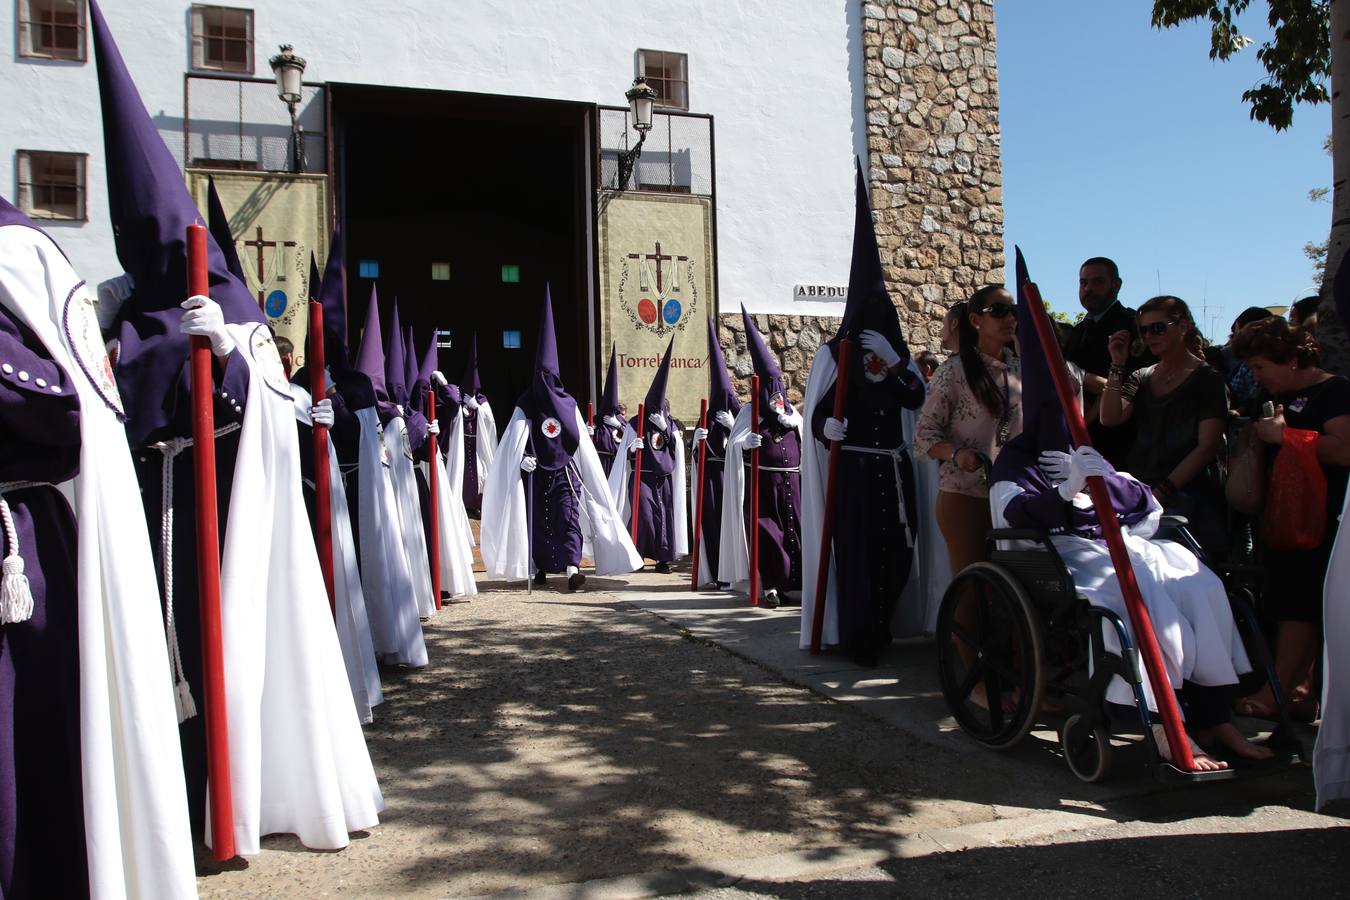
386,577
298,759
485,443
621,480
137,838
733,555
932,570
505,533
1192,620
353,627
410,513
453,534
1331,757
815,474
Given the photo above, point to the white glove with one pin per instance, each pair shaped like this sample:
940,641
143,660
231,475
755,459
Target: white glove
471,402
438,379
399,407
700,434
433,427
835,430
205,319
1084,463
612,421
753,440
528,464
1055,465
111,295
321,413
874,341
725,419
658,420
634,447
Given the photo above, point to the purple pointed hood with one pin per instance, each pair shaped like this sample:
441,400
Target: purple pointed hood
423,380
219,225
721,394
416,398
470,384
363,385
552,412
609,400
766,367
868,305
315,279
656,394
332,293
395,364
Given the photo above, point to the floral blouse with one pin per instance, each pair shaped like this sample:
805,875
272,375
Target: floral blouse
951,412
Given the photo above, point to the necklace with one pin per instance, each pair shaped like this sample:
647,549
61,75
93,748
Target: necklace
1167,378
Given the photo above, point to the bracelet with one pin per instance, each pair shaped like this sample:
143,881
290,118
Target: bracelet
1116,372
1112,387
955,453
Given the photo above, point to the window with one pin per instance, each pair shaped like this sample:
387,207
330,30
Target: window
222,39
370,268
440,271
52,29
510,274
511,340
668,75
51,185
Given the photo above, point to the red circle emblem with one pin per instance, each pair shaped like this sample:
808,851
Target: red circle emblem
551,427
647,311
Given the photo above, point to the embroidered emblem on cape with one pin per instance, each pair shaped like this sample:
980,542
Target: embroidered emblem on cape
874,367
657,440
80,323
551,428
264,352
778,402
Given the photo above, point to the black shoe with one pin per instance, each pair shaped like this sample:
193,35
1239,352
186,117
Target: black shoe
769,600
539,578
662,568
575,581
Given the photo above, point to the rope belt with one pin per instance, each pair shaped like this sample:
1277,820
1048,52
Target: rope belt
764,468
16,595
182,694
897,455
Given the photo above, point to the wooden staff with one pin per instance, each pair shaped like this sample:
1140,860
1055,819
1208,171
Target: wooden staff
432,493
637,467
208,565
754,493
698,503
831,497
323,489
1120,557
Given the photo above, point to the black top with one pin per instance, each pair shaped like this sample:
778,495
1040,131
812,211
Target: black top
1311,409
1167,428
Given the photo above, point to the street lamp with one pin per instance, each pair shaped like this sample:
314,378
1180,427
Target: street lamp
640,98
288,69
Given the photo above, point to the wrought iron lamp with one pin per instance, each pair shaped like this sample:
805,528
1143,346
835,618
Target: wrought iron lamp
289,69
640,96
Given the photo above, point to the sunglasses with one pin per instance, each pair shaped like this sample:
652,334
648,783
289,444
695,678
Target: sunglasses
998,310
1157,329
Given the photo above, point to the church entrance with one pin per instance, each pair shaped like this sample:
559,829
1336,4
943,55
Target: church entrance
463,206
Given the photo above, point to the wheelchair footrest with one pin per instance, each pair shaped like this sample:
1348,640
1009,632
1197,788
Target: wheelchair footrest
1170,774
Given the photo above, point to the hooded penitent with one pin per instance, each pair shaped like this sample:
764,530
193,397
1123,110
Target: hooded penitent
547,404
766,367
721,398
395,363
607,436
368,388
469,384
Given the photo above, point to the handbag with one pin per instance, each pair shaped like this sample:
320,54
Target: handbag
1245,488
1296,500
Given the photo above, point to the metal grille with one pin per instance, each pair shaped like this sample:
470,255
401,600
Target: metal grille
677,156
236,123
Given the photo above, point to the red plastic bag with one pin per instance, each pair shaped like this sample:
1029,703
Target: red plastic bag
1296,498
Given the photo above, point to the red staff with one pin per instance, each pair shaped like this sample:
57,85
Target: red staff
435,537
323,498
208,565
754,493
698,503
831,496
637,467
1120,558
590,413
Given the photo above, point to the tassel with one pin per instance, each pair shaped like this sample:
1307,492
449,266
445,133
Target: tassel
182,699
16,597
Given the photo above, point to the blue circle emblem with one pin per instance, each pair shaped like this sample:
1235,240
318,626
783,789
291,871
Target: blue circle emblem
275,304
671,312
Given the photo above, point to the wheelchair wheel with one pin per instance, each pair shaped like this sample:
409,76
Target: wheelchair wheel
989,636
1087,749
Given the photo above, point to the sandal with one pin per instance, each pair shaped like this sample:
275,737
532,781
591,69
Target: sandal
1252,708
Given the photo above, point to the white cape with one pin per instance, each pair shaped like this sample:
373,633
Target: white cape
1192,620
1331,758
452,529
353,627
386,578
137,838
505,532
621,479
298,759
733,555
410,513
932,570
485,443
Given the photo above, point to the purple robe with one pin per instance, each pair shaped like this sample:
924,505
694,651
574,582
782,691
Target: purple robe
656,510
607,440
473,491
780,507
714,469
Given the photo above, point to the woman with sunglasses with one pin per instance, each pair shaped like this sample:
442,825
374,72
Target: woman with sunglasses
1179,407
973,407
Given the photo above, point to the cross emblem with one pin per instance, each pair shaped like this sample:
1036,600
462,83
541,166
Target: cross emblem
658,257
261,246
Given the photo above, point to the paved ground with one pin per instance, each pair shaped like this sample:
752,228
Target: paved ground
639,741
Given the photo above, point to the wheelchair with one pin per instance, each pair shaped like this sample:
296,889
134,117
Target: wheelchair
1017,625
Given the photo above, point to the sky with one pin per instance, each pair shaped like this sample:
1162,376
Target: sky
1120,140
